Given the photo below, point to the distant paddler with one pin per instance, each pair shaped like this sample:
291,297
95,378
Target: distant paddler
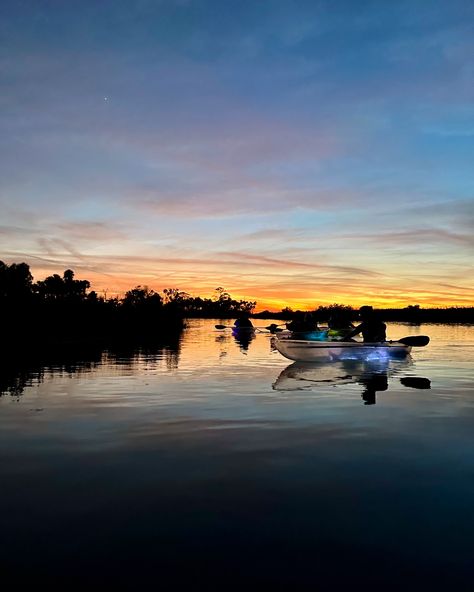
243,331
243,322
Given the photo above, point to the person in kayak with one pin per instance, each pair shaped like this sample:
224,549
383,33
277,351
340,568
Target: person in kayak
339,323
302,323
304,326
243,322
372,328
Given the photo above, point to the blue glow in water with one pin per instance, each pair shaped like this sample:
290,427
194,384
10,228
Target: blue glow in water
365,356
378,354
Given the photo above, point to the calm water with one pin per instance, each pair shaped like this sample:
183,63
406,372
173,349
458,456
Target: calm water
222,465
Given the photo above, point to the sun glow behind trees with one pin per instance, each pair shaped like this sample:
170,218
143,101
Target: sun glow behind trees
296,156
272,289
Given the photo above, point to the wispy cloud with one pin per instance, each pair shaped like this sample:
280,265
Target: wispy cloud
416,236
294,156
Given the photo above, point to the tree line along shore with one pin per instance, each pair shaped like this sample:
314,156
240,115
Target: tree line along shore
413,314
63,307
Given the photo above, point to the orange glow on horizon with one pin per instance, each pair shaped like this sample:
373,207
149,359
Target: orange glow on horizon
231,153
270,298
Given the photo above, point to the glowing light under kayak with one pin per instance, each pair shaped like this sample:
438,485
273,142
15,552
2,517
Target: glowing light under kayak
310,351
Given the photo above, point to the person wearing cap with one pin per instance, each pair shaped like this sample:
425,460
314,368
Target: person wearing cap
372,328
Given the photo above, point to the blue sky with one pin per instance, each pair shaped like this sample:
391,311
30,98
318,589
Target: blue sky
294,152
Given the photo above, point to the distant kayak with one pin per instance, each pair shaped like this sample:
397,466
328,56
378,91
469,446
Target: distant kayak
242,331
301,350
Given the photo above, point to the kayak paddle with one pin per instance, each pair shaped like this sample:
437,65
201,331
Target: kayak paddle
233,327
269,328
414,340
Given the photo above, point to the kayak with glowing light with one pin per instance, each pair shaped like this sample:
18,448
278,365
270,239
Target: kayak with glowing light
314,351
243,331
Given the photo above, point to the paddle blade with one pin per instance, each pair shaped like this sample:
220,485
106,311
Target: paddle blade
415,340
221,326
274,328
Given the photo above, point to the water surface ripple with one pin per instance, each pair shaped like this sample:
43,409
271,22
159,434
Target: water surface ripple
220,464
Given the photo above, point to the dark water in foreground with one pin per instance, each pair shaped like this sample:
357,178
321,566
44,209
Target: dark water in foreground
223,466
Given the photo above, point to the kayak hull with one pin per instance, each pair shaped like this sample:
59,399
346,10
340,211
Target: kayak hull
318,351
243,331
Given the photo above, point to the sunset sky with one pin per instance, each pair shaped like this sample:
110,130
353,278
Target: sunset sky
294,152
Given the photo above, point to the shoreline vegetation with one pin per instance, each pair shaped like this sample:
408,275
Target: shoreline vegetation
62,309
59,322
413,314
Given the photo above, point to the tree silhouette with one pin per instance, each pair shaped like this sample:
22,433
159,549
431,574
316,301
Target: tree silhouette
142,296
66,288
63,305
15,281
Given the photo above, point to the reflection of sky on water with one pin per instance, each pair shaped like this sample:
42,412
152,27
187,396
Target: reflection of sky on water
201,463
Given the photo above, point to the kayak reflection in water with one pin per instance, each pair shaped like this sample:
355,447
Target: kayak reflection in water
243,337
378,381
243,331
373,375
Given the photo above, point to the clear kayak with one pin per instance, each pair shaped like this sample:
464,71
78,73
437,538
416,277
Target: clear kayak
243,331
301,350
